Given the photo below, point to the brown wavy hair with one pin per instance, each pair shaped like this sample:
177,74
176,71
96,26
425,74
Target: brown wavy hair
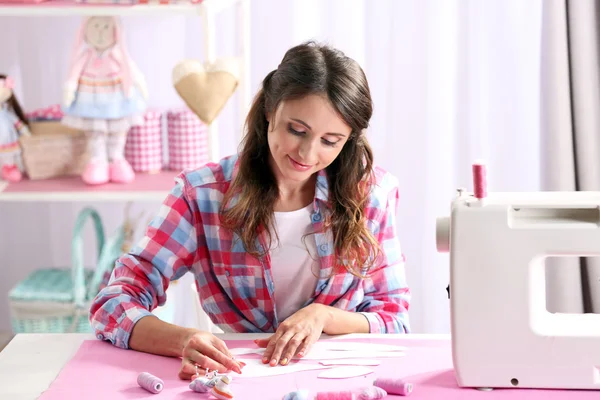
306,69
14,104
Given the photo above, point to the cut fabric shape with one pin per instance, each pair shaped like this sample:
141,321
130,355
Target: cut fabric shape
351,361
345,372
254,368
315,354
330,350
343,345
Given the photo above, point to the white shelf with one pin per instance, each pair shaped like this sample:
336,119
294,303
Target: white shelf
72,197
54,8
146,187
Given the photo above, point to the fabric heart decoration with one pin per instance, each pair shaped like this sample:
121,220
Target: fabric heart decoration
206,88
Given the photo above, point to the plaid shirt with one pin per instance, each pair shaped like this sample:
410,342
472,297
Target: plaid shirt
236,289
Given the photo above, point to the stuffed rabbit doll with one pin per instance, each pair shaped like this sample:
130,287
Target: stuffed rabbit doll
13,123
105,95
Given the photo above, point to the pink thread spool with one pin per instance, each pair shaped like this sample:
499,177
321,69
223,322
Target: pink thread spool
367,393
345,395
150,382
479,179
371,393
394,386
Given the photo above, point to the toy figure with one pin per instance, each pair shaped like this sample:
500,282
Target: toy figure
13,123
105,95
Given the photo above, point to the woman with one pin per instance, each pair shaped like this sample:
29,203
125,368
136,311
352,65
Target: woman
296,235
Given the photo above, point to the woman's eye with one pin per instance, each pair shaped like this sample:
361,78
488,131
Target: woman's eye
293,131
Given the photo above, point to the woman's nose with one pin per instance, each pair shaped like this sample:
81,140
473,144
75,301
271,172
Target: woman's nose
307,148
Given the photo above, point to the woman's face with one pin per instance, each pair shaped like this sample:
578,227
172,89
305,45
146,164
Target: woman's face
305,136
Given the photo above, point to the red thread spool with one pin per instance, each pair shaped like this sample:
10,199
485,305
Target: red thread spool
479,180
394,386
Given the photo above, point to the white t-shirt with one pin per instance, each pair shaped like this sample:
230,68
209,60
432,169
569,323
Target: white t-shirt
295,271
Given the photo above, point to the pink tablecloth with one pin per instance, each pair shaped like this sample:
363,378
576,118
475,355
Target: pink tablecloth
100,371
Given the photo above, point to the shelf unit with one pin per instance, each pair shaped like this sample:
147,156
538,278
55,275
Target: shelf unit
146,187
207,11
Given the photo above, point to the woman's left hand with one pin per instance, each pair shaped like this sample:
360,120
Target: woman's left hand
295,335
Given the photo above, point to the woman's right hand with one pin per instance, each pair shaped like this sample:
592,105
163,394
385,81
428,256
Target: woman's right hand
202,351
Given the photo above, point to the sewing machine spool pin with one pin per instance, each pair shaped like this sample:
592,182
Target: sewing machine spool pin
502,334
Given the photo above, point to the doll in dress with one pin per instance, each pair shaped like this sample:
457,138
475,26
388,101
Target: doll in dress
13,124
105,95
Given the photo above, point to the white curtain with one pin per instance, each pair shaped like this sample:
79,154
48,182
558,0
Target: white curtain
452,81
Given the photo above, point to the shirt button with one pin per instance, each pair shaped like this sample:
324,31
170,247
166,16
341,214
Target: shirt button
100,336
323,247
227,273
316,217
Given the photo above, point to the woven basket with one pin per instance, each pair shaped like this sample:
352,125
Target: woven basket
54,150
57,300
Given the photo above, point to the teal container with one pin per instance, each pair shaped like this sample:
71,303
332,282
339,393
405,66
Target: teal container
57,300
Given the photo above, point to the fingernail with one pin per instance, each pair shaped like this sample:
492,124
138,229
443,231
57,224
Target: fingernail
273,362
264,360
284,361
301,354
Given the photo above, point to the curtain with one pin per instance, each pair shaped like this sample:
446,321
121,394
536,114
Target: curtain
571,140
452,81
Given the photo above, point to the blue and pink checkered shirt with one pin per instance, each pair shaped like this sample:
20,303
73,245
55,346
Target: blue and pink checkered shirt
235,288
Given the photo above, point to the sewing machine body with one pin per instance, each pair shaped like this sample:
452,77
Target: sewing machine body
502,334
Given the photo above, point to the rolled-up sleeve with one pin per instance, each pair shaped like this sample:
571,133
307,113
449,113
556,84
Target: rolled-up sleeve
386,292
141,277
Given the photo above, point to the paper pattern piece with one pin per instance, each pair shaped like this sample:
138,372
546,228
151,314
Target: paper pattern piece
246,350
330,350
351,361
347,345
336,355
254,368
345,372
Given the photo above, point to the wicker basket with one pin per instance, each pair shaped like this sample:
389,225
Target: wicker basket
54,150
57,300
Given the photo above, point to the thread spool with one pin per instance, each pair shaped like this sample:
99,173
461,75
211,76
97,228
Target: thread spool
394,386
150,382
345,395
372,393
302,394
368,393
479,179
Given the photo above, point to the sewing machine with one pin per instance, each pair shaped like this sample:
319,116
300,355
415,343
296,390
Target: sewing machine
502,334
